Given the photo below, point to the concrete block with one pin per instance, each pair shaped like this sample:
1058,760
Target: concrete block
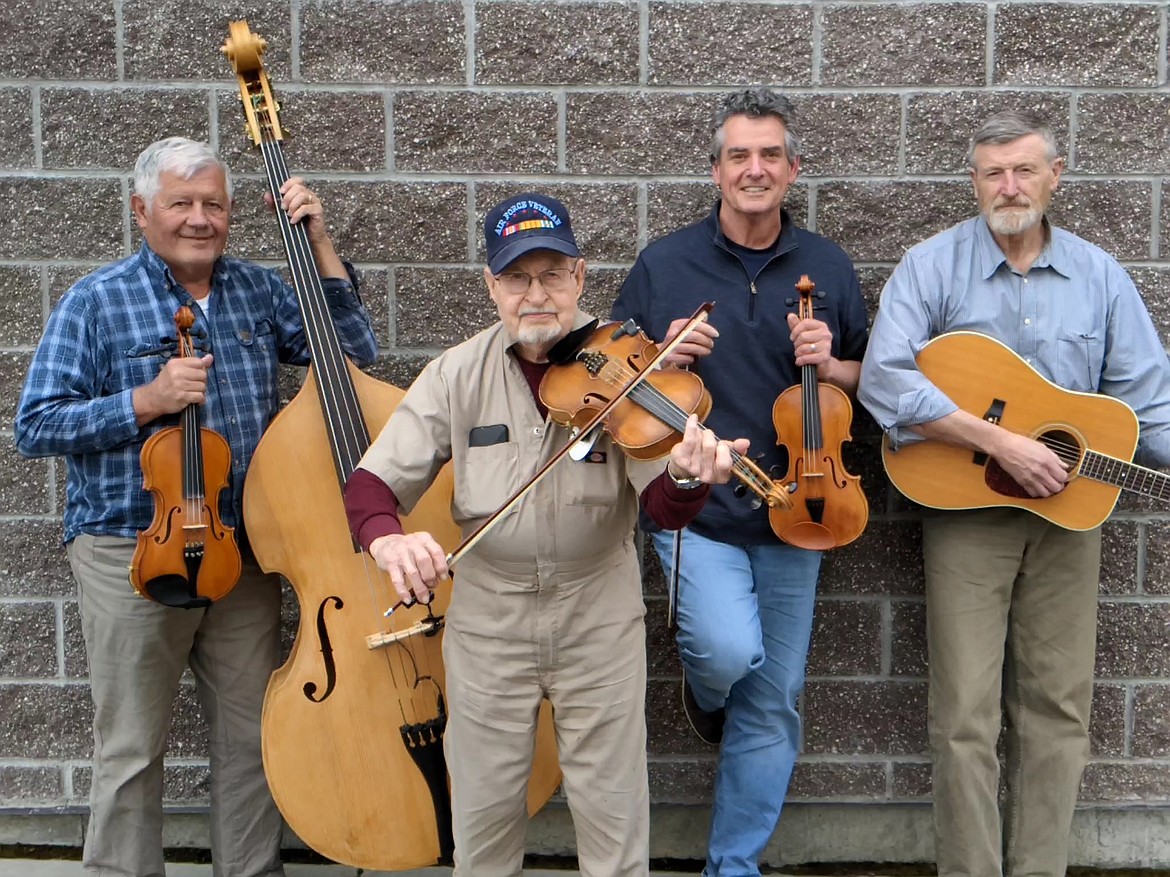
846,639
834,780
1123,134
312,122
1096,44
129,120
1157,574
33,563
1107,721
28,640
878,221
1151,721
908,638
1114,215
416,42
885,559
603,48
1133,640
1120,541
911,780
688,44
169,39
69,40
1154,285
469,132
16,128
32,708
439,307
24,484
921,44
22,316
649,133
870,718
848,134
31,785
60,218
370,222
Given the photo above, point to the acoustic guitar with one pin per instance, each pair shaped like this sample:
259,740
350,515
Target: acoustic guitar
1094,436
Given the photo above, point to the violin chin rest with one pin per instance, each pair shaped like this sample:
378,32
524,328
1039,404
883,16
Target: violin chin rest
810,535
174,591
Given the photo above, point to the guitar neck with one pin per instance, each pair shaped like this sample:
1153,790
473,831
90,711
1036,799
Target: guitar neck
1126,475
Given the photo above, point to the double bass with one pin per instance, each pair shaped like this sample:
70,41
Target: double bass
352,725
812,419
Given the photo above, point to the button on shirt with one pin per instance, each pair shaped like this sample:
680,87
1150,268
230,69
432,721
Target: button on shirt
1075,317
114,330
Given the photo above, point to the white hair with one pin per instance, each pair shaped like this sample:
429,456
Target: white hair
176,155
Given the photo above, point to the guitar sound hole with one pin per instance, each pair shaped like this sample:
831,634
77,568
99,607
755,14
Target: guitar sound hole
1062,443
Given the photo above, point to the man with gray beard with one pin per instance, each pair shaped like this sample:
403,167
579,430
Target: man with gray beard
1011,598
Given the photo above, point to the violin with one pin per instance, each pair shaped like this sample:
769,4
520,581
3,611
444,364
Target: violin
650,420
186,558
829,508
353,722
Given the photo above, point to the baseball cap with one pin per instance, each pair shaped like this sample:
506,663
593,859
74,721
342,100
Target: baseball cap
524,223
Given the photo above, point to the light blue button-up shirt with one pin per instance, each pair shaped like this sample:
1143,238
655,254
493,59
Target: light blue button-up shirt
1075,317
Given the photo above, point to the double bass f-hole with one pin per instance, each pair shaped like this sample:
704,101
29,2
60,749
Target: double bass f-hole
310,688
812,420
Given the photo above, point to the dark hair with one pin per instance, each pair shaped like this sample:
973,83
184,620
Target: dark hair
754,103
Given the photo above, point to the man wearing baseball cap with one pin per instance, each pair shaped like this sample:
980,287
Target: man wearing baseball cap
549,603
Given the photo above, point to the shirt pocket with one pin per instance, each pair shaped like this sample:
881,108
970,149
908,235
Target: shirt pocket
141,365
1082,355
486,479
257,349
589,483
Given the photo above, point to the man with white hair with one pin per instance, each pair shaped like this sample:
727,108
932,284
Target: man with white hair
1011,599
105,378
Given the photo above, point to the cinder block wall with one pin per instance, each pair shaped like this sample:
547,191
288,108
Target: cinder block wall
411,118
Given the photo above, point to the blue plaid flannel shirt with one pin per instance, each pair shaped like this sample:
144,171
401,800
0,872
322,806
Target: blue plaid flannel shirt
115,329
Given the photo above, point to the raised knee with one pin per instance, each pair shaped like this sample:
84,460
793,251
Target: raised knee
723,663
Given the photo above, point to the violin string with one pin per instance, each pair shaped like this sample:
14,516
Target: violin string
672,414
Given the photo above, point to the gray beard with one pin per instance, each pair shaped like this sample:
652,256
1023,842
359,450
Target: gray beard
1013,222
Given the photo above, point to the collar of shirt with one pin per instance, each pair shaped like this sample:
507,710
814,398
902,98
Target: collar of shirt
158,270
1055,254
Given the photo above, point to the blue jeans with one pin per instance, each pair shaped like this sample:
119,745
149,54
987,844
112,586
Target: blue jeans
745,616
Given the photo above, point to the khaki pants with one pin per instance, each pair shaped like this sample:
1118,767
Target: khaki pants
996,578
137,651
580,641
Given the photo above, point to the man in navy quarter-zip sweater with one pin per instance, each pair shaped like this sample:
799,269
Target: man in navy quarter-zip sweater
745,603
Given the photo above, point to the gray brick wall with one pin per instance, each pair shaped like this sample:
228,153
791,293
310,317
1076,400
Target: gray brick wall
412,117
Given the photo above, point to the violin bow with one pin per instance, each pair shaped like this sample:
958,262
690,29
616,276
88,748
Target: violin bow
699,316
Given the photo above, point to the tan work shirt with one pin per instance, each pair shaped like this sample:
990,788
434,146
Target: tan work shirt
473,406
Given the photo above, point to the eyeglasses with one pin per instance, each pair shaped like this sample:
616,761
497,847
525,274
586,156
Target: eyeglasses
552,280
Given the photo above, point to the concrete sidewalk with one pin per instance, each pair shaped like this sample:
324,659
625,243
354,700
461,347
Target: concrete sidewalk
60,868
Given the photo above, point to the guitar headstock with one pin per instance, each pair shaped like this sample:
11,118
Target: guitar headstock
245,50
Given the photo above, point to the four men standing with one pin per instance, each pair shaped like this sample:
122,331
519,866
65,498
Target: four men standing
524,624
